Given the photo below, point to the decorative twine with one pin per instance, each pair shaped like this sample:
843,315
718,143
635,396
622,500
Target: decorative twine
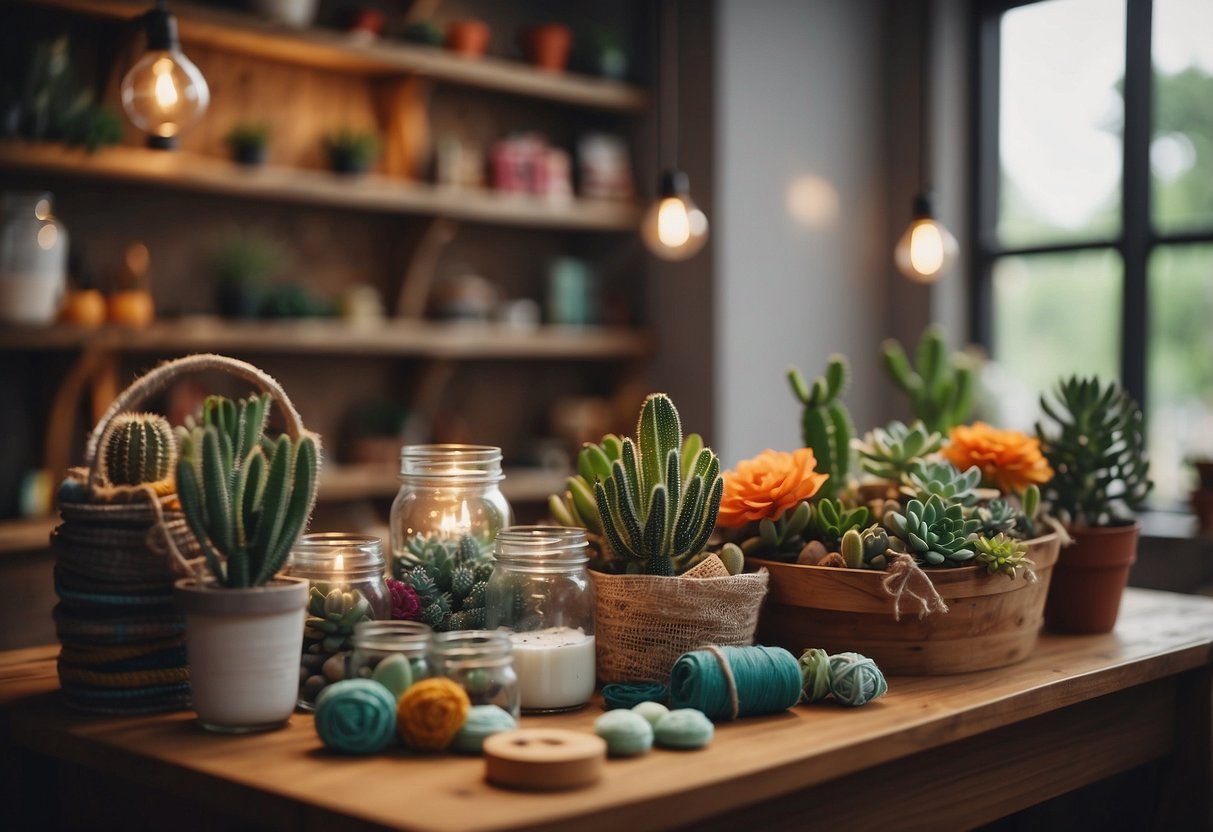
903,572
728,682
631,694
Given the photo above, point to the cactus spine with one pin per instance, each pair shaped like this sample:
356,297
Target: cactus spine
658,507
940,389
137,449
245,498
826,424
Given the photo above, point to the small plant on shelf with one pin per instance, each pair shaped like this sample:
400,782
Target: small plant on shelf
249,142
351,151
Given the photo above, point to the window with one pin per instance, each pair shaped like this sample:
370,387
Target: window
1093,190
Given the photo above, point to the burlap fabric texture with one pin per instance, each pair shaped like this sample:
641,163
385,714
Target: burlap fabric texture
645,622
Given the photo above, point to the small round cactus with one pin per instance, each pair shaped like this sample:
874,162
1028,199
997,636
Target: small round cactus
137,449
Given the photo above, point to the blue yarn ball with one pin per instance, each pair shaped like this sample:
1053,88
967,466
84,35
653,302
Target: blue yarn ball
855,679
356,716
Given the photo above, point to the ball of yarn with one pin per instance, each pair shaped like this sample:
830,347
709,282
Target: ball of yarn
430,713
394,673
814,675
356,716
482,722
684,728
726,682
652,711
627,733
630,694
855,679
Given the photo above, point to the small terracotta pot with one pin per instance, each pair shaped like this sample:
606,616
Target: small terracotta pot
1090,578
467,37
547,46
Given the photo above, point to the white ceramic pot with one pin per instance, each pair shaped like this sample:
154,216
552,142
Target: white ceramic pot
243,652
297,14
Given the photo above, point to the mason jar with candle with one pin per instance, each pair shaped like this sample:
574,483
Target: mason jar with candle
377,641
446,492
479,661
347,588
541,593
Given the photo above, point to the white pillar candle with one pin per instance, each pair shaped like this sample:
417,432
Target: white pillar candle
555,668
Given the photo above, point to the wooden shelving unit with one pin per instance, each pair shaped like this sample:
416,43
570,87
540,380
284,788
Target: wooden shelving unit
202,174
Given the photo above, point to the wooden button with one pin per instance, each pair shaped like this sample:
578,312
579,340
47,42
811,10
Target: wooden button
543,758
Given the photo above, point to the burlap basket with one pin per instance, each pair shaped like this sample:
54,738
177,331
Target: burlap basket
645,622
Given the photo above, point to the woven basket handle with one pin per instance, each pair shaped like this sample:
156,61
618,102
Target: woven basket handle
156,380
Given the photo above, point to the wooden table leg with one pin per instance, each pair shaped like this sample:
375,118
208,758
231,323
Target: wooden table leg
1186,801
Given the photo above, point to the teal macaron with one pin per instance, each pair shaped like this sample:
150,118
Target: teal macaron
627,733
683,728
481,723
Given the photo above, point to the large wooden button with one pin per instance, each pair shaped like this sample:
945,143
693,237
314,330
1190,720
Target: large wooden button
544,758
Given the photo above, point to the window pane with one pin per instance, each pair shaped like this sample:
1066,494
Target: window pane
1180,363
1181,152
1060,119
1054,315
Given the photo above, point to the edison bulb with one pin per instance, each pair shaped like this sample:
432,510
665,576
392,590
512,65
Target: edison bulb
163,94
674,228
927,248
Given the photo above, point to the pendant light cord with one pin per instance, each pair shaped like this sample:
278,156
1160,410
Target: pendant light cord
667,120
924,97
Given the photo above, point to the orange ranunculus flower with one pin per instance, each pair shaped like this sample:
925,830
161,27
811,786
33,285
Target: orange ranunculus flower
767,486
1009,460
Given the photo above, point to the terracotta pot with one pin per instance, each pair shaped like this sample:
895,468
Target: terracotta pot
547,46
467,37
1089,579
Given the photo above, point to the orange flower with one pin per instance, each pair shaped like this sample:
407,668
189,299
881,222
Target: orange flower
1008,459
768,485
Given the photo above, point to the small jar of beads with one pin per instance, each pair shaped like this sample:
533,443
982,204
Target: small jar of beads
394,653
481,662
540,592
347,588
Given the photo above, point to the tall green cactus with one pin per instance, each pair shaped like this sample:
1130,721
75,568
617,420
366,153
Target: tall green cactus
246,498
826,424
136,449
940,387
658,506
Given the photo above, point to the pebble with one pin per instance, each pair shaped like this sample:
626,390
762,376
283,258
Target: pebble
652,711
627,733
334,667
683,728
311,688
312,661
482,722
394,673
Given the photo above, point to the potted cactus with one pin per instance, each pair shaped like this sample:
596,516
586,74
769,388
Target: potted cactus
1095,441
249,142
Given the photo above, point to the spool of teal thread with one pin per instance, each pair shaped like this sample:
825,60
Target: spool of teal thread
855,679
356,716
767,681
631,694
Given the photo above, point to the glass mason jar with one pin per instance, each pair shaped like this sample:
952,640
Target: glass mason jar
33,258
375,641
347,588
446,491
540,592
480,662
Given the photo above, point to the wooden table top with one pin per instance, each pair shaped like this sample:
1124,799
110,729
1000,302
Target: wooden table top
1158,635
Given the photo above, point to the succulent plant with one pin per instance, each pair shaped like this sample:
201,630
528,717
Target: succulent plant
831,520
1097,449
652,512
137,450
450,579
1004,554
826,424
940,388
924,479
876,545
996,517
332,616
245,498
780,539
934,532
887,452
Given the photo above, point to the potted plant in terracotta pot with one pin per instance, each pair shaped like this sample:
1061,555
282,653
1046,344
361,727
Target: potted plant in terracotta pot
1095,441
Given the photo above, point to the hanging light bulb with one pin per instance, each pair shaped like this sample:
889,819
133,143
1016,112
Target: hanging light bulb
927,248
674,228
163,93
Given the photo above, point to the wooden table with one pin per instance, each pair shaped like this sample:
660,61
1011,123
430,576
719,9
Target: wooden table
943,752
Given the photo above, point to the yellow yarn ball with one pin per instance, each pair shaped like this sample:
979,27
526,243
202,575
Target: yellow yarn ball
430,713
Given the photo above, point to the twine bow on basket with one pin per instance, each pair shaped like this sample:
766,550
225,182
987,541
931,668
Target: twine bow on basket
906,577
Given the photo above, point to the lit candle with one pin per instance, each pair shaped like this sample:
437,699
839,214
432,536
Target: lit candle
555,668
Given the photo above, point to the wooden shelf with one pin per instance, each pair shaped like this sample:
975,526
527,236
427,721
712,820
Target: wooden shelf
356,482
334,337
313,187
331,50
33,535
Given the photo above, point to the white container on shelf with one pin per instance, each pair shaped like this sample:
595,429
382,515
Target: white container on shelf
298,14
33,258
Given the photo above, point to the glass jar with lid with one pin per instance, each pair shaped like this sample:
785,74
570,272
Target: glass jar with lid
541,593
33,258
375,641
446,492
347,588
481,662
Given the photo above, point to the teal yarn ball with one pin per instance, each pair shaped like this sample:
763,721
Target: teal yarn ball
652,711
631,694
855,679
766,680
356,716
814,675
482,722
683,729
627,733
